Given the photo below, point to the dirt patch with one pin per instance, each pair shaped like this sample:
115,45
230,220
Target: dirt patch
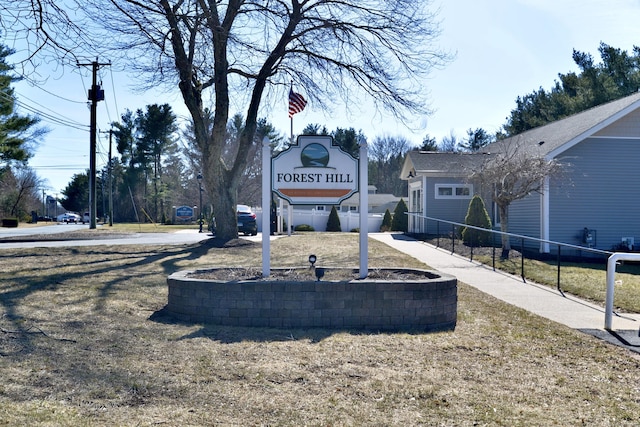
300,274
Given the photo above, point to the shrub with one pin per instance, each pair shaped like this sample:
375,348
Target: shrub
304,227
386,221
10,222
477,216
333,223
400,221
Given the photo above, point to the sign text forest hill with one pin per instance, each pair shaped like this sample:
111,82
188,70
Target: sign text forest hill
315,171
326,178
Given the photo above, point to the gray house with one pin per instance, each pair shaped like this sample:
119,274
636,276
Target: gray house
594,203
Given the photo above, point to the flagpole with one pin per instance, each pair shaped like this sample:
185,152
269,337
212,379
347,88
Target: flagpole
291,117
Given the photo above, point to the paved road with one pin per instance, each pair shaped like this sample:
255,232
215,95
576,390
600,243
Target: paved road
54,228
177,238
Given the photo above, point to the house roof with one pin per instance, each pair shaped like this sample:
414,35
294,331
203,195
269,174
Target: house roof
549,140
556,137
437,163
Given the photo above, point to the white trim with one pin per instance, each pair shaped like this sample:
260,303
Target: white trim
454,188
584,135
544,216
615,137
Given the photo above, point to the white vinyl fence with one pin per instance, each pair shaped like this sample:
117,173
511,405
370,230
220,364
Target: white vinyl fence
318,220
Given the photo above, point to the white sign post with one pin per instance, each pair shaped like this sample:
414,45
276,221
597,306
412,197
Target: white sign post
364,211
266,207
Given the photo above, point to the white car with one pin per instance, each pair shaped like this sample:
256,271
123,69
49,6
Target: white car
69,217
86,218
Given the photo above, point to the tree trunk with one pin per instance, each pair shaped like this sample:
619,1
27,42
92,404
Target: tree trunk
504,227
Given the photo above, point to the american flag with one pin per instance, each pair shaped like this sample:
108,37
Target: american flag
296,103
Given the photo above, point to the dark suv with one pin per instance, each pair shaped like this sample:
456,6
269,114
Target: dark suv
246,221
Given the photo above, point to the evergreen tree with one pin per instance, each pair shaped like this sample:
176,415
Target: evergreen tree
618,75
476,139
386,221
146,143
400,220
477,216
333,224
16,132
429,144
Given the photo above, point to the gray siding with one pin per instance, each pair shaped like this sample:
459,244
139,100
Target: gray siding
524,219
601,192
447,209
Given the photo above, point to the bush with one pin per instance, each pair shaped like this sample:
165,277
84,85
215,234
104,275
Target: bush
386,221
477,216
10,222
400,221
333,223
304,227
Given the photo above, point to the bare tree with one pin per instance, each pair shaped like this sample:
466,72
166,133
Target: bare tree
247,53
449,143
19,188
513,173
386,157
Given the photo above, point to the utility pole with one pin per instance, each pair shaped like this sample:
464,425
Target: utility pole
110,182
96,94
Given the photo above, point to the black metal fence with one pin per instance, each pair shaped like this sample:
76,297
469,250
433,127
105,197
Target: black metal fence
449,232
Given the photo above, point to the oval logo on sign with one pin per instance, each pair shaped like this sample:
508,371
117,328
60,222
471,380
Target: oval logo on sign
314,155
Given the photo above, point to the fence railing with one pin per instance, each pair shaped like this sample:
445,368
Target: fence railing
451,230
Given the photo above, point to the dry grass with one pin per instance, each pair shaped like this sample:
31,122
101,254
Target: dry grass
83,343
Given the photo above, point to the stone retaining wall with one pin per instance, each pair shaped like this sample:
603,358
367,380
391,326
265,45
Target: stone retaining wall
376,305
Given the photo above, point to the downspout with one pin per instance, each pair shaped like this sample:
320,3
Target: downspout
544,216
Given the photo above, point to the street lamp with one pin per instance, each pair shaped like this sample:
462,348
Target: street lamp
199,177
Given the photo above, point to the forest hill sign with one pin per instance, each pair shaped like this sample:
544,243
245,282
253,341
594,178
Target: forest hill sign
314,171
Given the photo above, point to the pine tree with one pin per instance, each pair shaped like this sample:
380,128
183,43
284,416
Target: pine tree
400,220
15,131
386,221
477,216
333,224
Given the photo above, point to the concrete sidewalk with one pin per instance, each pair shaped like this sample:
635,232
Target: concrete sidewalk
541,300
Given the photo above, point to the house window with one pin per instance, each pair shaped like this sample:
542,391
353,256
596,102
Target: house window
454,191
416,202
320,208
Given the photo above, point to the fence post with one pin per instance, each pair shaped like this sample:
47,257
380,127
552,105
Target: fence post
493,251
453,238
558,285
522,258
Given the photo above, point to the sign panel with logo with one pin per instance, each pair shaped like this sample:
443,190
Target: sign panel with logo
314,171
184,213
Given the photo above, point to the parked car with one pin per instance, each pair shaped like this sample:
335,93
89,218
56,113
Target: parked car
247,223
68,217
87,218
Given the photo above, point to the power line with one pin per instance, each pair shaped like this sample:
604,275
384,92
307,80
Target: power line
61,120
37,86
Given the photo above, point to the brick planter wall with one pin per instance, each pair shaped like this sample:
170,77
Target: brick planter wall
377,305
